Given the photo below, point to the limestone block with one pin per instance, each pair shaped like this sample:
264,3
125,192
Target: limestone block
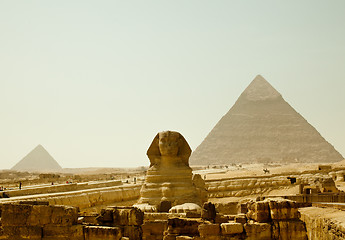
258,211
64,215
106,216
102,233
40,215
132,232
240,218
289,230
183,226
154,228
75,232
128,216
15,214
208,211
221,218
23,232
258,231
209,230
283,209
231,228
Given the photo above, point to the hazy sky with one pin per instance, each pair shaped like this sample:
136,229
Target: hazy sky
94,81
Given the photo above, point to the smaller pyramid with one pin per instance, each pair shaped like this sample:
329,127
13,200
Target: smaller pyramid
38,160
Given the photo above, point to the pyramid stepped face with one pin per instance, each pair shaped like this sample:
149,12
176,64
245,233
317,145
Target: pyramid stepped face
38,160
263,127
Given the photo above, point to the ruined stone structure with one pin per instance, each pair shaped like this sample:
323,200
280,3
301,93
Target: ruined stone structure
169,179
264,220
38,160
263,127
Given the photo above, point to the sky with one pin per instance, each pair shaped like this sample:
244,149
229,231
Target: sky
94,81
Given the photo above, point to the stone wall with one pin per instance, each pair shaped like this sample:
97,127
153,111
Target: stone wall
324,223
85,200
271,219
32,190
257,185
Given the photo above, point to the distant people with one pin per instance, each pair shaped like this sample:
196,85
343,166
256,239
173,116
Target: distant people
135,180
20,185
52,183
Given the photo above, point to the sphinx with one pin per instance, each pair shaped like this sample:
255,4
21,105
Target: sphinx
169,180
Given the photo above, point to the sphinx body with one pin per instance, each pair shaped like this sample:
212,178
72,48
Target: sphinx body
169,178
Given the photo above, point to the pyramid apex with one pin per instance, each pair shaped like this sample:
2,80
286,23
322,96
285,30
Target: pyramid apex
259,90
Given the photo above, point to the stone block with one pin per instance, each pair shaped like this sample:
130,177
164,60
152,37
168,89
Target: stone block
258,211
183,226
282,209
241,218
106,216
102,233
23,232
231,228
209,230
40,215
75,232
156,228
128,216
258,231
15,214
221,218
208,211
286,230
132,232
64,215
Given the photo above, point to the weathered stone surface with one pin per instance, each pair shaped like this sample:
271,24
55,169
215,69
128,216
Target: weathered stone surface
323,223
209,230
208,211
75,232
258,231
231,228
102,233
283,209
154,229
241,218
23,232
132,232
182,226
258,211
120,216
169,178
289,230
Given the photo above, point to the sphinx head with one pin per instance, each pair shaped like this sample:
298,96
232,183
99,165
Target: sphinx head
169,144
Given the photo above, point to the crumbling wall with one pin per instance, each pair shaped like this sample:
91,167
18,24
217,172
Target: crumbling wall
324,223
245,186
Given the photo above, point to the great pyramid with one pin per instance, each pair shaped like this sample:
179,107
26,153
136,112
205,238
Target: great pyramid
38,160
263,127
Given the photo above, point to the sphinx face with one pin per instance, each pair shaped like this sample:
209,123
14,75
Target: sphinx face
168,143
